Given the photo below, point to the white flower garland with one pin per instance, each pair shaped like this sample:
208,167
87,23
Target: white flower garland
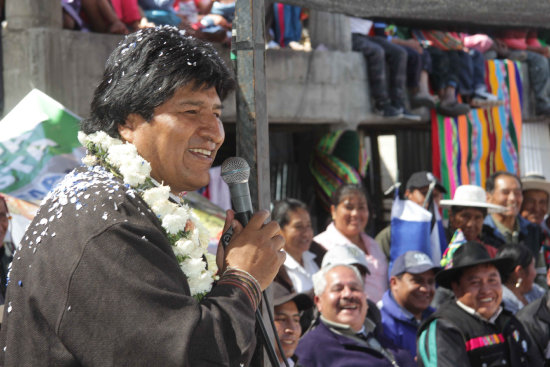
188,237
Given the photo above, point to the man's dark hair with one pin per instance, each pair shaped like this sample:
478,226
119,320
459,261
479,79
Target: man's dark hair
282,209
346,190
521,255
455,209
490,182
146,69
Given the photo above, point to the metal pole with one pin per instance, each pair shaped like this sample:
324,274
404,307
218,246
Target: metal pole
248,51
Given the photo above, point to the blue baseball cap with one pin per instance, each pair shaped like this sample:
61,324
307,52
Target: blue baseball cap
414,262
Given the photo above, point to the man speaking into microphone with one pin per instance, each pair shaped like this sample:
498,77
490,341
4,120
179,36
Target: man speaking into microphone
113,271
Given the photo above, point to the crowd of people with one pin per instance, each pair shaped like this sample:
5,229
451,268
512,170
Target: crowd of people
407,68
483,303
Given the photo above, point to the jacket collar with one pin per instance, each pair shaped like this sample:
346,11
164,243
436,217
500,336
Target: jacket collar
390,305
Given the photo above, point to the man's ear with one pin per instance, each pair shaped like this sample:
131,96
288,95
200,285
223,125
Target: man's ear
407,193
127,130
317,303
393,281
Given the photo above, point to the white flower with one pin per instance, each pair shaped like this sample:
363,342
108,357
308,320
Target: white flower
89,160
100,139
173,223
155,194
187,247
163,208
135,173
193,267
200,284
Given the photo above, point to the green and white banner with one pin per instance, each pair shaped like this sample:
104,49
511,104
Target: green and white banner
38,146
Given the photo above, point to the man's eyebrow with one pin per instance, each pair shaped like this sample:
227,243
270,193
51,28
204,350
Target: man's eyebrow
198,103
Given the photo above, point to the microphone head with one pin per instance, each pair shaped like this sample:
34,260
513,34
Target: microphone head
235,170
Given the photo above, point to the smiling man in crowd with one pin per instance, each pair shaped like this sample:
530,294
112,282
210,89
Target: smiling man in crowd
287,311
474,330
509,227
407,303
345,336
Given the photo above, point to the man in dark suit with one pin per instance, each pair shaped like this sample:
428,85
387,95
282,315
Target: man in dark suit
345,336
113,271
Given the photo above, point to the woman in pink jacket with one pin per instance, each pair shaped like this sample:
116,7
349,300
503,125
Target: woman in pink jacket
350,216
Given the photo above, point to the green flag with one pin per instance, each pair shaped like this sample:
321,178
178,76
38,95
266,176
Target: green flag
38,146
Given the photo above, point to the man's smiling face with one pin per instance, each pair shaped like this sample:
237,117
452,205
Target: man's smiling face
181,140
343,301
480,288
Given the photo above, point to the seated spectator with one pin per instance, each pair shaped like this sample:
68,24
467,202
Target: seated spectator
300,264
220,18
536,318
286,26
526,43
419,64
345,336
468,210
387,87
287,309
129,13
474,330
100,16
536,192
161,12
350,215
519,287
443,78
415,190
465,68
407,303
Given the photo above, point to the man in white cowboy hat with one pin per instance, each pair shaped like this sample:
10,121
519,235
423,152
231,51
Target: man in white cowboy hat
474,330
467,211
536,193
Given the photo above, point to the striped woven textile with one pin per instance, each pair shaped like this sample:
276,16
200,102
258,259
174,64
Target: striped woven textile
469,148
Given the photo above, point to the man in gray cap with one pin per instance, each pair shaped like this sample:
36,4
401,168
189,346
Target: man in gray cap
407,303
416,190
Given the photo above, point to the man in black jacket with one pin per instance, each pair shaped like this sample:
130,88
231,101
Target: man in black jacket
474,330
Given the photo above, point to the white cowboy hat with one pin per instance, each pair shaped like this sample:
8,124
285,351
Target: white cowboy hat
472,196
535,181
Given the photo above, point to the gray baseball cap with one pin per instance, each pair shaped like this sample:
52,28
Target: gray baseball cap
414,262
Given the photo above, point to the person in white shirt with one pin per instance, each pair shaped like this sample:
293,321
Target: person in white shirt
300,264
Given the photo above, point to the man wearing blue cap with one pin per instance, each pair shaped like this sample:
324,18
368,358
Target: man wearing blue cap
407,303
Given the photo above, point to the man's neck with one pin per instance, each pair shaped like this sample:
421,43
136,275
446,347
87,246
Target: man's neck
296,255
507,221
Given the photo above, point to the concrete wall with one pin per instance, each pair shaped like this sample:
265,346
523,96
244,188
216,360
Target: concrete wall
66,65
315,87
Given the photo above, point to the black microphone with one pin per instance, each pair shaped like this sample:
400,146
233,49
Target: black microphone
235,173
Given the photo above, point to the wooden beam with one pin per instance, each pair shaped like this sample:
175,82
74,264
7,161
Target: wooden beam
468,13
248,48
